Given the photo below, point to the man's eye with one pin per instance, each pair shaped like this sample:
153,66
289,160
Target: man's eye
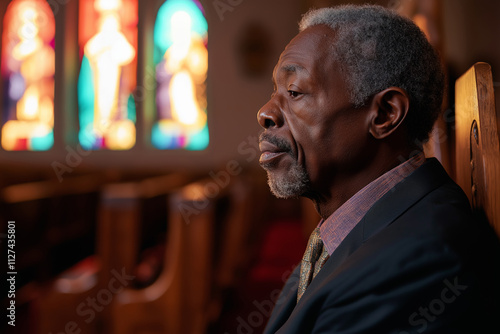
293,93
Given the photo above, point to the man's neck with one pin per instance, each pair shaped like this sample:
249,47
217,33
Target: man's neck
343,187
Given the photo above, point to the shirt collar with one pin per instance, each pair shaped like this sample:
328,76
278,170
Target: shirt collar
337,226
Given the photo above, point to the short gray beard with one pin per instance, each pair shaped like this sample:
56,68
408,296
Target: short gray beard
294,184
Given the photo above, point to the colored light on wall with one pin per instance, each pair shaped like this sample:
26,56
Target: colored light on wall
181,60
27,70
108,48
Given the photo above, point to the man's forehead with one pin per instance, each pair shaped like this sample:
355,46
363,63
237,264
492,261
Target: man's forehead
305,51
288,68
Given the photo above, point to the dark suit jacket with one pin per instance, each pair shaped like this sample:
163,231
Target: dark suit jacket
418,262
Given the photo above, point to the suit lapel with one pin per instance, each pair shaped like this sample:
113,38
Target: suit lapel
423,180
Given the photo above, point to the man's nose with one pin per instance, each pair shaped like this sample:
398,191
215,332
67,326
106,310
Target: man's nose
270,115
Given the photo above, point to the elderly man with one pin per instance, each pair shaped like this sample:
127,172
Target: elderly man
356,93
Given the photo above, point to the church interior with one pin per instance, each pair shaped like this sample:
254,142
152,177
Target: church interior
129,174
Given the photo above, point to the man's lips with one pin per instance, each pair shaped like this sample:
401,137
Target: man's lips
269,152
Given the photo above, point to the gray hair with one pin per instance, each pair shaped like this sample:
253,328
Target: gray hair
376,49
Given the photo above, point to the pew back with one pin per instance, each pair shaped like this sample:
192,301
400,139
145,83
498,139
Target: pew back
477,142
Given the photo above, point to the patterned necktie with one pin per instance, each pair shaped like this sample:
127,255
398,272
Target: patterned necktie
312,261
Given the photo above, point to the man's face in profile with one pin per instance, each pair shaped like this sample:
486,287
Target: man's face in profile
313,134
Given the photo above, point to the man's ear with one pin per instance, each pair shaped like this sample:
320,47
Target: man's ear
388,109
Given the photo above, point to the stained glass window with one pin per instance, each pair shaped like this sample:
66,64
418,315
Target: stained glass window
27,71
181,60
108,53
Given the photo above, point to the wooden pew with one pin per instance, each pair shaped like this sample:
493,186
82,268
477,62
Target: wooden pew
81,298
477,142
237,218
177,301
210,231
50,217
182,299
